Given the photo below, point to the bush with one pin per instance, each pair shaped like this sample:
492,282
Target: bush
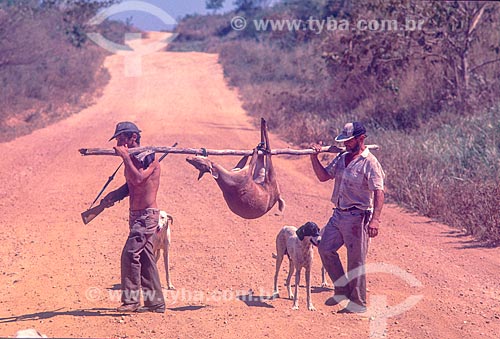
202,33
448,170
47,68
440,146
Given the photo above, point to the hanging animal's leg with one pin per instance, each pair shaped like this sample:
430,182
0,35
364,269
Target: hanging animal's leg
254,160
259,172
270,178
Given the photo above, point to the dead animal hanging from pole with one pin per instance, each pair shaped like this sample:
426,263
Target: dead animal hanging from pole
250,191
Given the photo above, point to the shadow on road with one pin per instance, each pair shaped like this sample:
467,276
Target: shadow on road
319,289
93,312
187,308
468,243
252,300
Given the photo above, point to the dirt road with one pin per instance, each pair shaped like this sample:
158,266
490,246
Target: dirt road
62,277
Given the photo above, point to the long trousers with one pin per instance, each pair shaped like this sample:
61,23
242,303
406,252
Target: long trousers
138,264
349,228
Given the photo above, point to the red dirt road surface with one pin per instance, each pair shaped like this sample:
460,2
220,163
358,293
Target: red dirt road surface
62,277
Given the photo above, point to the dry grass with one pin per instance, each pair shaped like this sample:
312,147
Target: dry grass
47,69
449,170
439,161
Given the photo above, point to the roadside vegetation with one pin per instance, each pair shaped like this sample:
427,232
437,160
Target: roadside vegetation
48,68
429,96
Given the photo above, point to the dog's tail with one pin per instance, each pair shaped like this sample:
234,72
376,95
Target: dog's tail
275,256
281,204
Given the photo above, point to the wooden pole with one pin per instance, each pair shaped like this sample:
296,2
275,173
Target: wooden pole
203,151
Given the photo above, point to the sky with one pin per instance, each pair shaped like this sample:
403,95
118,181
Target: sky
176,9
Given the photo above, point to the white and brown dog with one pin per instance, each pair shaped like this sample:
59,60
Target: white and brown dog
297,244
161,241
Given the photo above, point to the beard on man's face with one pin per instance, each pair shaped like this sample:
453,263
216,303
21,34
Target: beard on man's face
352,146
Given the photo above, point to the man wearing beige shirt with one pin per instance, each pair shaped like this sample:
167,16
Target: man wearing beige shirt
358,196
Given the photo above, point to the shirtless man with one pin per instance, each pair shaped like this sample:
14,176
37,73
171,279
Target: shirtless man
138,265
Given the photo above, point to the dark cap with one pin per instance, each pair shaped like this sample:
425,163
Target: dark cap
351,130
125,127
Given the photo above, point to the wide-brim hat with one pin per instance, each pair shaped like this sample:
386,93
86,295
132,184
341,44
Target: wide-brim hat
351,130
125,127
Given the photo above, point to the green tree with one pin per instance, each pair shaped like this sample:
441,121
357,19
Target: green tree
248,5
76,14
458,40
214,5
452,33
